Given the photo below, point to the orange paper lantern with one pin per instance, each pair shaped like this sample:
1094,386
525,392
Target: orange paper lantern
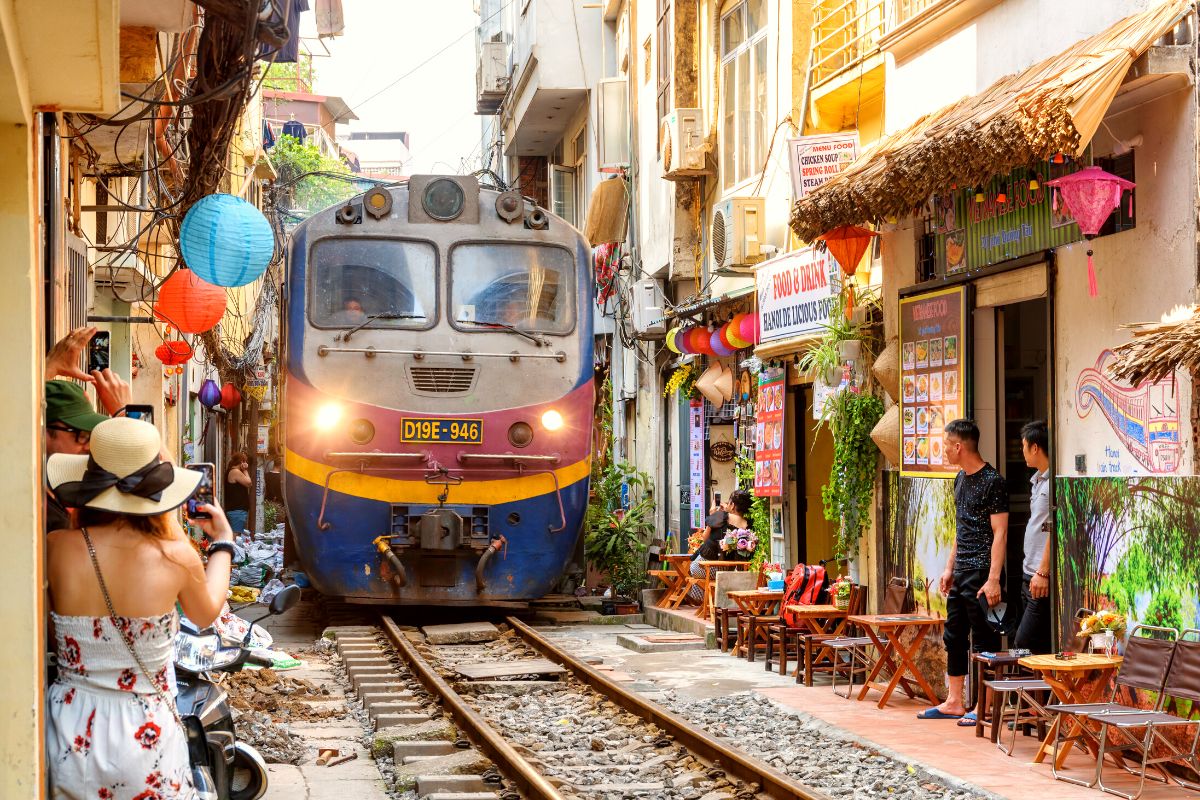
847,244
188,303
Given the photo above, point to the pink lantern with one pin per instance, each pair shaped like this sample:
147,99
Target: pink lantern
748,329
681,340
719,348
1090,196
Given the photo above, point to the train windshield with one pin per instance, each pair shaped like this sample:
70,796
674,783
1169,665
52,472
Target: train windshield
386,283
527,286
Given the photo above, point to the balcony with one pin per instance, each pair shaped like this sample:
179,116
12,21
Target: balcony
845,33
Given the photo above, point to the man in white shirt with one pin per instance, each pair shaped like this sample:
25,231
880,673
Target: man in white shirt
1034,631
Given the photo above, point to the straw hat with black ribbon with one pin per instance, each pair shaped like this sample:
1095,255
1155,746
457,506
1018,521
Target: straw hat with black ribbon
123,474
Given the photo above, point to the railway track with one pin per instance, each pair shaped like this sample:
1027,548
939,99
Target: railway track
530,720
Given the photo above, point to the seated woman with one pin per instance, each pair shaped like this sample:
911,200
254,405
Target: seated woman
111,725
728,516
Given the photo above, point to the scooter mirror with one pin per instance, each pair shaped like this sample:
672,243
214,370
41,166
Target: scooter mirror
285,599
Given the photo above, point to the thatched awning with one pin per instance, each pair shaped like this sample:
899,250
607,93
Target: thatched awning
1053,106
1158,350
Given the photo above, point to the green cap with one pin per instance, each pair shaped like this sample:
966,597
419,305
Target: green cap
66,403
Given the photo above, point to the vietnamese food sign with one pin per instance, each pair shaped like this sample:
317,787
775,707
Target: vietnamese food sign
816,159
768,433
795,292
932,369
1012,216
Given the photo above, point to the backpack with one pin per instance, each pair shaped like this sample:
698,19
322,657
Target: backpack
804,586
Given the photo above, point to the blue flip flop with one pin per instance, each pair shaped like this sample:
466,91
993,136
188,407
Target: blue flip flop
968,721
934,713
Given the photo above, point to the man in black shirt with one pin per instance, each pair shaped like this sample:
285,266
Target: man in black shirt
976,558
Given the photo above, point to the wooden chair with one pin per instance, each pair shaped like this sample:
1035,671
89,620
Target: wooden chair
669,579
816,654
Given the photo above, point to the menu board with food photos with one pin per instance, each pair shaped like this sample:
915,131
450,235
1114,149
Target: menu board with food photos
768,433
932,370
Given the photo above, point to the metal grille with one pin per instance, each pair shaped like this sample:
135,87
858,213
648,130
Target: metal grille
78,297
718,238
442,380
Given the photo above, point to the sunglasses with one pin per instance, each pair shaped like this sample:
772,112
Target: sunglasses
81,437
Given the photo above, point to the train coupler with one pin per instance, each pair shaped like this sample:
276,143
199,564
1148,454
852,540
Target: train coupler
384,545
493,546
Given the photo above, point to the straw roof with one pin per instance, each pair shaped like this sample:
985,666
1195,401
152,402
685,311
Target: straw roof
1053,106
1158,350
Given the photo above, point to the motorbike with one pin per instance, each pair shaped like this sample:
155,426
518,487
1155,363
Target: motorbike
222,767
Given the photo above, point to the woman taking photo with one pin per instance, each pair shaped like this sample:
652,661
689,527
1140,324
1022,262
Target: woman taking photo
725,517
237,492
112,731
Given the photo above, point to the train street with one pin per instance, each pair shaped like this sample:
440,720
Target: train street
600,399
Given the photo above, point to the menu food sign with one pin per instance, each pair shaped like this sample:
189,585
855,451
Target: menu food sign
932,391
816,159
768,433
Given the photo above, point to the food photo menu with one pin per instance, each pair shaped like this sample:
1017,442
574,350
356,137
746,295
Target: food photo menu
931,377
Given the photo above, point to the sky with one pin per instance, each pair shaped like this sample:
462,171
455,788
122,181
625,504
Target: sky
383,40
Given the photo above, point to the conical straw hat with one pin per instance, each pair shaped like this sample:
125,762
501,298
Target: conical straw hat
725,384
886,434
707,384
886,369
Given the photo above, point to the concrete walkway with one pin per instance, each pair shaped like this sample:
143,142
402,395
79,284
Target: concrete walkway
938,744
358,779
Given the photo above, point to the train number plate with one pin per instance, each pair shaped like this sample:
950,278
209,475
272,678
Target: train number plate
433,430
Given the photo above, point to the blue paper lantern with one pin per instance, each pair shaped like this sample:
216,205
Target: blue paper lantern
226,241
210,394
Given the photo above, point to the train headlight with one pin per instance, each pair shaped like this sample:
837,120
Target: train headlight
328,416
552,420
520,434
362,431
443,199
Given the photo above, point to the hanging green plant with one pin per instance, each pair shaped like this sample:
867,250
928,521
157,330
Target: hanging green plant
682,381
759,515
847,497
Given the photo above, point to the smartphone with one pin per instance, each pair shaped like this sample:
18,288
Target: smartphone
144,413
204,492
716,498
98,351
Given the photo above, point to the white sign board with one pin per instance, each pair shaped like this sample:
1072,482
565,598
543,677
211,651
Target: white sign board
816,159
795,292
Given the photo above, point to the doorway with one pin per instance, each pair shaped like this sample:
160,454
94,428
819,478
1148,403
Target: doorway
814,536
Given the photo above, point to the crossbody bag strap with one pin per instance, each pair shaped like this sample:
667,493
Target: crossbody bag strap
126,636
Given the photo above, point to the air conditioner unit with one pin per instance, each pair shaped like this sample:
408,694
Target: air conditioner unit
646,310
738,232
491,77
682,135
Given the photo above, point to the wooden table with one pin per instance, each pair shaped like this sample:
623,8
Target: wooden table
681,563
708,583
891,626
820,620
754,603
1083,679
1000,664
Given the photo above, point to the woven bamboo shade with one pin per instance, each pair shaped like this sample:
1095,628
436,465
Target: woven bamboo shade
1051,107
1157,351
886,369
886,434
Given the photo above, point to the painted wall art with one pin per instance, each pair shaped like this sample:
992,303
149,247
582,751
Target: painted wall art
1145,419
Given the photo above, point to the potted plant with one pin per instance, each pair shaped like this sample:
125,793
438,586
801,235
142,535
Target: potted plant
1103,628
839,592
616,537
851,417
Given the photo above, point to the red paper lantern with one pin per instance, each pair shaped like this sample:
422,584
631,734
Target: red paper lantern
174,351
230,396
696,337
188,303
848,244
702,338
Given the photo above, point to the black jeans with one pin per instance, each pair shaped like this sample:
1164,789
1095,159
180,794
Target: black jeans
964,617
1034,631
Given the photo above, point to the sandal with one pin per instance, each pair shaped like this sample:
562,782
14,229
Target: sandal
968,721
936,713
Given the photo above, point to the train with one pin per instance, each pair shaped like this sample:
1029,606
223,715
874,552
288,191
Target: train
437,395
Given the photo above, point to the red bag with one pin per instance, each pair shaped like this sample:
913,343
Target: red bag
803,588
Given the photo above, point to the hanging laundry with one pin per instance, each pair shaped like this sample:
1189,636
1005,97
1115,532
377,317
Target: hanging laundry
294,127
290,52
329,18
268,136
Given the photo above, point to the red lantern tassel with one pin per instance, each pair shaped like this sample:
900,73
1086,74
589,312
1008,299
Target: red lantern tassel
1091,276
849,298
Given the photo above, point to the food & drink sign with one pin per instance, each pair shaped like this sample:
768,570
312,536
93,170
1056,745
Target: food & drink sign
795,292
932,370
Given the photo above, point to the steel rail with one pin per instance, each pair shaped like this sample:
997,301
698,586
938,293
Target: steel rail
532,783
772,782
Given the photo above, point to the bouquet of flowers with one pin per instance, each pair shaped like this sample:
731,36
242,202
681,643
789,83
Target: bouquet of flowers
839,591
695,540
1102,621
740,543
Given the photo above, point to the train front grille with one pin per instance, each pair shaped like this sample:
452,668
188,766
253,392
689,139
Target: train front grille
442,380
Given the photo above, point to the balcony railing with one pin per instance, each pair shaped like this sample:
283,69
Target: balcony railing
845,33
904,10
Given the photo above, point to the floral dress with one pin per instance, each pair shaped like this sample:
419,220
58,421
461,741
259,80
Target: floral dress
109,735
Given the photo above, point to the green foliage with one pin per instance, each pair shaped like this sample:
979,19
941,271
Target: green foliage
273,514
616,537
283,76
311,193
759,516
847,496
683,381
826,353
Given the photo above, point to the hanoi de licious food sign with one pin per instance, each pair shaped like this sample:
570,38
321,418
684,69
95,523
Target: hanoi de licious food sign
931,378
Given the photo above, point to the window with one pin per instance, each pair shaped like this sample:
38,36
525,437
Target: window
562,193
1125,217
526,286
743,91
354,279
666,57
